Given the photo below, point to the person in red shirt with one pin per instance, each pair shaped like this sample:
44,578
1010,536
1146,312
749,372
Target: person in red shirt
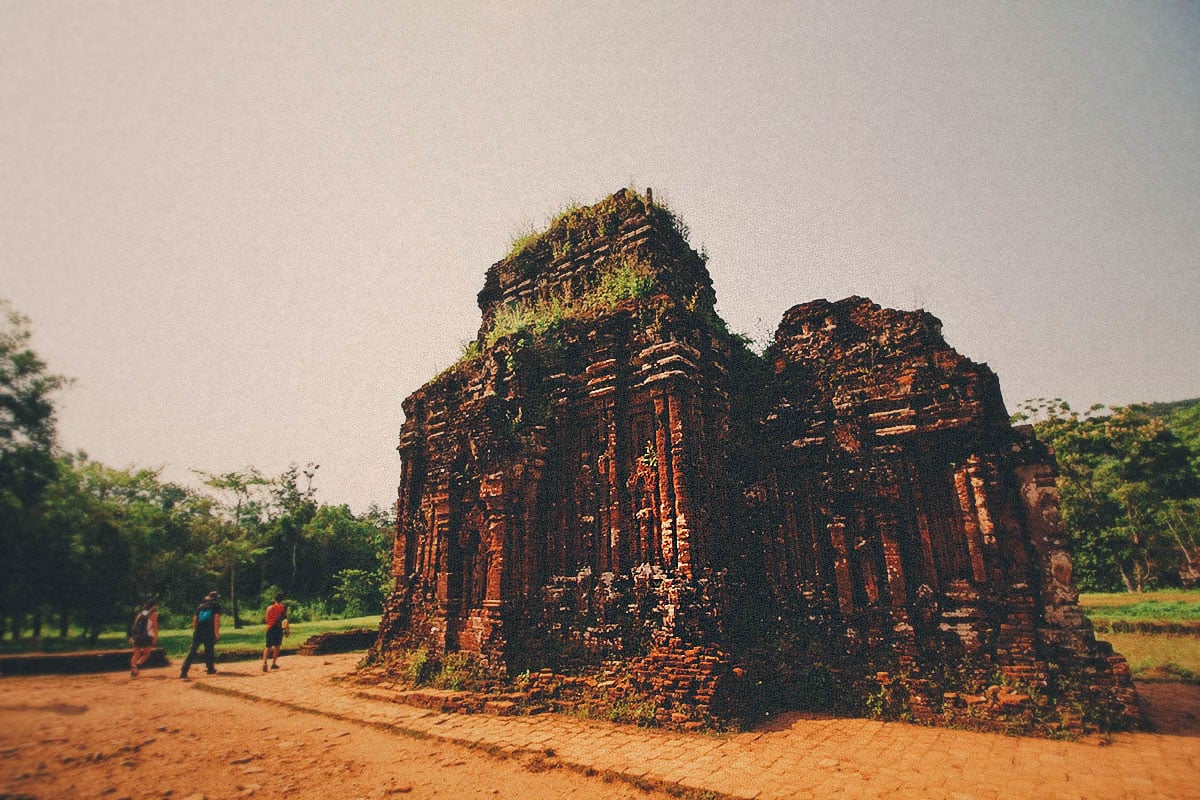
277,627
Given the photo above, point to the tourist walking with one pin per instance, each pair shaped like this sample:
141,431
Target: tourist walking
144,635
278,626
206,630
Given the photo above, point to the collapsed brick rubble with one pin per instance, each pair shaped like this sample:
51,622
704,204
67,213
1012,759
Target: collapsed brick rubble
610,484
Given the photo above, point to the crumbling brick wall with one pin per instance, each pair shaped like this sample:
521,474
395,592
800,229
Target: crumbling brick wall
609,474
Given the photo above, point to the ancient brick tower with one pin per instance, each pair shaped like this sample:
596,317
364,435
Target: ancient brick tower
608,475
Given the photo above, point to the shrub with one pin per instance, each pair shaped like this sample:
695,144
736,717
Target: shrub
636,712
458,671
419,666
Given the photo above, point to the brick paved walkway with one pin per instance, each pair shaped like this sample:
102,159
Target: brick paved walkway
798,756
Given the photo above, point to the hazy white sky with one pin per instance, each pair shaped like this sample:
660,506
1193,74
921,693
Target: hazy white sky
249,231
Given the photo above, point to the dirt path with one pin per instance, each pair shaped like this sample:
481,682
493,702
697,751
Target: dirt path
304,732
111,737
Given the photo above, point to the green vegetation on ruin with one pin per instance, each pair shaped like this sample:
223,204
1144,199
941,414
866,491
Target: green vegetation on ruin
626,280
577,224
423,667
618,279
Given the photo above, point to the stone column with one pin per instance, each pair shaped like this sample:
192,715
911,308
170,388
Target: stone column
966,507
613,517
922,517
841,565
1064,622
665,484
686,536
493,490
885,523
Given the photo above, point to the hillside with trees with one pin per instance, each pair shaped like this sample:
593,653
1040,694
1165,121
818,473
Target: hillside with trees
1129,478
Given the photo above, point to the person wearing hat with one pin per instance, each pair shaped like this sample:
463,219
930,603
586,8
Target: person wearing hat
206,630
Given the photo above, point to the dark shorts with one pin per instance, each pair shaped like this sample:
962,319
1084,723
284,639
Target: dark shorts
275,636
143,641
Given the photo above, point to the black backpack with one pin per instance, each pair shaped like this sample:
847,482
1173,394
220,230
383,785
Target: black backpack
140,623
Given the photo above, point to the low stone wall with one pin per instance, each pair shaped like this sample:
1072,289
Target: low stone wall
243,654
76,663
339,642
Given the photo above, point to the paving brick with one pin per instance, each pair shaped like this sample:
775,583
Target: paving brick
777,764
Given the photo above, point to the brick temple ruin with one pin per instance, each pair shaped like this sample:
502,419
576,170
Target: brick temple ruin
610,482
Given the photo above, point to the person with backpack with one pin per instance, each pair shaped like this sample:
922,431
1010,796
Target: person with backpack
206,630
276,619
143,635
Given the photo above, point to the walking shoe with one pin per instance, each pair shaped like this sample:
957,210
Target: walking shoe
274,666
264,666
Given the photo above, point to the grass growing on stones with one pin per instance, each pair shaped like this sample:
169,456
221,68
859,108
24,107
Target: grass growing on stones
625,280
455,671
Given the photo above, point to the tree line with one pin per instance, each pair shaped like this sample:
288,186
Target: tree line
82,542
1129,479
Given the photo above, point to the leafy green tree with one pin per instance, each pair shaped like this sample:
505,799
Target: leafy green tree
27,466
351,559
1130,494
359,592
90,504
293,507
363,591
237,532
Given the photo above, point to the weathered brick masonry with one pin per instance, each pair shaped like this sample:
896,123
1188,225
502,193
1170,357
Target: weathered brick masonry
611,478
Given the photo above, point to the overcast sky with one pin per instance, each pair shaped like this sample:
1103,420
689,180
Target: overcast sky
249,231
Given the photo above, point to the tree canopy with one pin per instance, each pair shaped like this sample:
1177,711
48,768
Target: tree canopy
84,542
1130,489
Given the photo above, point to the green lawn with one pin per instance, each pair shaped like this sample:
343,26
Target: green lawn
176,641
1151,655
1175,605
1154,656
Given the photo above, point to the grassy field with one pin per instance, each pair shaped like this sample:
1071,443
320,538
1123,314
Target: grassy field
1160,657
1137,625
177,641
1170,605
